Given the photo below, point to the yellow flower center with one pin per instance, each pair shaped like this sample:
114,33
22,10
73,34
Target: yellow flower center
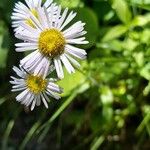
51,43
36,84
29,21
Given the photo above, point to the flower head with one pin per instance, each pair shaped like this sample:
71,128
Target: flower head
52,42
21,12
34,88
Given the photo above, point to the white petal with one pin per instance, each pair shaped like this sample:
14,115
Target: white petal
73,61
57,17
19,72
55,88
59,68
67,64
46,97
28,3
79,53
44,101
28,57
32,31
61,20
43,18
30,100
50,93
25,44
18,89
68,19
36,22
48,3
33,104
38,101
26,99
22,95
42,68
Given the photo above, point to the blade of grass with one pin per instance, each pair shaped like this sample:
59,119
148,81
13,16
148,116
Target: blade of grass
2,100
47,125
31,132
9,128
7,133
98,143
29,135
143,124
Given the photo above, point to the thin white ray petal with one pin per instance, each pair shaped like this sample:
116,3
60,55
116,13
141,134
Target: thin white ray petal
36,22
59,68
48,3
61,20
33,104
68,20
79,50
26,44
50,93
19,72
44,101
22,95
67,64
46,97
26,99
30,56
23,49
38,101
72,60
28,3
30,100
18,89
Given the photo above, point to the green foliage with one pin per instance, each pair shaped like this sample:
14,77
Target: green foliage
122,10
105,104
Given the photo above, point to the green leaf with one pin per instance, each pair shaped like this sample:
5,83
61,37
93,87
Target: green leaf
114,45
114,33
106,12
107,113
140,20
122,10
147,89
139,58
129,44
145,4
69,3
145,71
70,82
106,95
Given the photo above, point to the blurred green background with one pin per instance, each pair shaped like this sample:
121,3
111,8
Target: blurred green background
106,104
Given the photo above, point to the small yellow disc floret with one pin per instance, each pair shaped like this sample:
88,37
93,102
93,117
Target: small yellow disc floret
51,43
36,84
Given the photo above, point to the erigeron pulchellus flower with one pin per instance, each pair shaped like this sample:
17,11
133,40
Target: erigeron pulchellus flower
34,88
52,42
21,12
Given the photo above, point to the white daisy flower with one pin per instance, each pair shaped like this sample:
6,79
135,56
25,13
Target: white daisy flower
34,89
21,12
52,42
